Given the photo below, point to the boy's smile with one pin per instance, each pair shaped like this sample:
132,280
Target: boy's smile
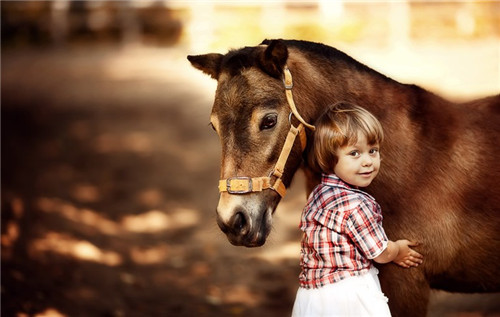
358,164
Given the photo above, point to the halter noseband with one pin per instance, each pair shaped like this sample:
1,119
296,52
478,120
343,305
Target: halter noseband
245,185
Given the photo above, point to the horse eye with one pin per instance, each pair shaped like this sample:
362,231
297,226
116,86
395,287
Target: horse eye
269,121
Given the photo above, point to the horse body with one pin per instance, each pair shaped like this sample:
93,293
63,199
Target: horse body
439,178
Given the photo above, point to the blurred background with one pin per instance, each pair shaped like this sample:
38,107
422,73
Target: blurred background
110,170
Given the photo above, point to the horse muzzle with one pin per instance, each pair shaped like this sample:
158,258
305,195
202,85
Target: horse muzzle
246,224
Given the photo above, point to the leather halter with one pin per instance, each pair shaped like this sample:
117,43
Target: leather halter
245,185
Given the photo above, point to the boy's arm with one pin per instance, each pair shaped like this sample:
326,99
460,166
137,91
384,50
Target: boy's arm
400,253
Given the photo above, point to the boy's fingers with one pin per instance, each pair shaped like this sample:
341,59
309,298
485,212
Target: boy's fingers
417,255
413,244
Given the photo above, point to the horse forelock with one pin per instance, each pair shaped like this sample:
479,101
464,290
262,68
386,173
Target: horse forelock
235,61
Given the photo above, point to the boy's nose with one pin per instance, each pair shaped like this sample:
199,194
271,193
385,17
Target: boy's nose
367,160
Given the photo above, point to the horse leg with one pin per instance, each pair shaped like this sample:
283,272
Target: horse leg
407,290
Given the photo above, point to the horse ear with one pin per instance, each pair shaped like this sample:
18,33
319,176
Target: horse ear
274,57
208,63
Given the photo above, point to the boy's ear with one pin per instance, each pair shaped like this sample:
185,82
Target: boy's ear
208,63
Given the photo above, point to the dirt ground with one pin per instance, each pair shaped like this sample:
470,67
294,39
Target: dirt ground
109,174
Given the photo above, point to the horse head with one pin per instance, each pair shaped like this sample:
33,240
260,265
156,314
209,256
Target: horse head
261,133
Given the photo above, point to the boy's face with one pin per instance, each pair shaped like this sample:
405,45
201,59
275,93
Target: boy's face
358,164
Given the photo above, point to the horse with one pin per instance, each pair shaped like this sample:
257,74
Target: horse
438,184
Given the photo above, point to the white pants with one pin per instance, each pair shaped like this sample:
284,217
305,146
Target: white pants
353,296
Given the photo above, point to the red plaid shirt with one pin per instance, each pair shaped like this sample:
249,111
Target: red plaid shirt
342,232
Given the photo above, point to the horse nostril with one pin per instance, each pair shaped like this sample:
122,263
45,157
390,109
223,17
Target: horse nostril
239,223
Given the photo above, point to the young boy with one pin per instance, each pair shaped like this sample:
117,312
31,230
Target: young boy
342,225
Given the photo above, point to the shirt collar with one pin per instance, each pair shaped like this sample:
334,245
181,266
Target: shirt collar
334,181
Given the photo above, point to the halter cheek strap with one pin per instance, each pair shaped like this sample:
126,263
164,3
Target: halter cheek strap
243,184
288,82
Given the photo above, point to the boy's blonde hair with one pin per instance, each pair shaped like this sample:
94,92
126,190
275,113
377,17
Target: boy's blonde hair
337,127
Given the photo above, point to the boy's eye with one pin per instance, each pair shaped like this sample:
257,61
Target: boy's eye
354,153
374,151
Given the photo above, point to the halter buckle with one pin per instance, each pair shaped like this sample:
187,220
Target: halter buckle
241,185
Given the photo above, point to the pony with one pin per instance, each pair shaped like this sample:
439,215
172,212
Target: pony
439,181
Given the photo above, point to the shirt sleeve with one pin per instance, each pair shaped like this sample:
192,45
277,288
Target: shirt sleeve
366,231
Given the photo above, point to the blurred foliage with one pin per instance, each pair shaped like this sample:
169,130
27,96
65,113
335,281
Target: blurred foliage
165,23
48,22
455,19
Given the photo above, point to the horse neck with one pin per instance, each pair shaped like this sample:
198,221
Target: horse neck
317,88
334,82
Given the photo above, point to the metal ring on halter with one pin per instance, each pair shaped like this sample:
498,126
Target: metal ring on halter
271,173
290,117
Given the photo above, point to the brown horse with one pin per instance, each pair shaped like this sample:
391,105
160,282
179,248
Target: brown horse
439,182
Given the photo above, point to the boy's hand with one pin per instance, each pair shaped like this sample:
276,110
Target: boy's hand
407,257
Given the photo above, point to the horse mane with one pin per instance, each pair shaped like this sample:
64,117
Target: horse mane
317,49
238,59
330,54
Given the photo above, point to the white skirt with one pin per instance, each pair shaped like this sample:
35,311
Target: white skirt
353,296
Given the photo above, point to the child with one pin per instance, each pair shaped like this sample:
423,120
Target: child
342,225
